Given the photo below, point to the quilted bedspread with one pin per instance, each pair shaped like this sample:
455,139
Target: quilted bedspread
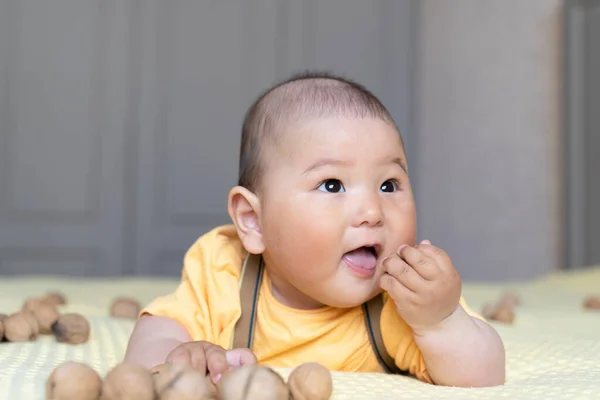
553,346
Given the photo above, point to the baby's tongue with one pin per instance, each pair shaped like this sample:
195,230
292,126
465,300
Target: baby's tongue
361,258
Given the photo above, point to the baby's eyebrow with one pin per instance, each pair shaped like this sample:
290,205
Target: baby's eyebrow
333,161
325,162
401,163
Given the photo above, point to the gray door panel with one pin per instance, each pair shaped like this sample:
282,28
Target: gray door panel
120,119
62,107
201,68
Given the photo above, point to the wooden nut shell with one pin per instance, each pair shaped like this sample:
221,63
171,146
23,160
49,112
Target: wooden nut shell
592,303
128,381
488,310
72,328
73,380
46,315
498,312
18,327
35,325
56,298
125,307
32,303
252,382
510,299
310,381
179,382
2,318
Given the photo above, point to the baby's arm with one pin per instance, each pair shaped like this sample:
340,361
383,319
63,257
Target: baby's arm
462,351
157,340
458,349
153,338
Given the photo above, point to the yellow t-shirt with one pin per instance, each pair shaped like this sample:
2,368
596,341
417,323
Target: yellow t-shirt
207,304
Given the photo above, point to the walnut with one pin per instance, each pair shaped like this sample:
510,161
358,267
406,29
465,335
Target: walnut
18,327
488,310
125,307
32,303
73,380
252,382
499,312
35,325
128,381
56,298
2,318
510,299
310,381
592,303
179,382
71,328
46,314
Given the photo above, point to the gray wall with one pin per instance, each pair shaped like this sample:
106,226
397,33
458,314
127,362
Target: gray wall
120,119
489,123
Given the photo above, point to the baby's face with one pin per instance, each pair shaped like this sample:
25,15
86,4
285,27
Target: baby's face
335,201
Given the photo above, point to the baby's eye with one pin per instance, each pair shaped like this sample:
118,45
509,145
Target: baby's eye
389,186
332,186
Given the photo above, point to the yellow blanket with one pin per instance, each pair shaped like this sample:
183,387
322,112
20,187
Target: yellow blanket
553,348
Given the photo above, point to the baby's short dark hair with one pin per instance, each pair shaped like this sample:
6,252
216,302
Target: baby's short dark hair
302,96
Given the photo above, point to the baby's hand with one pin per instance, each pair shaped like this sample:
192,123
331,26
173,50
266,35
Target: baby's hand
423,283
210,358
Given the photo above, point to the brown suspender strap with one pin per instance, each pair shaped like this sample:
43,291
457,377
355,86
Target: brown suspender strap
372,311
250,279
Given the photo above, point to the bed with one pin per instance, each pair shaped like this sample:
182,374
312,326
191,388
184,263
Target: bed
553,346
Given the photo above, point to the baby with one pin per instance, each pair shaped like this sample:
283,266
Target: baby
321,261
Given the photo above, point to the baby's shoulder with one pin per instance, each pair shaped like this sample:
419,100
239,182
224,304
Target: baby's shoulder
217,253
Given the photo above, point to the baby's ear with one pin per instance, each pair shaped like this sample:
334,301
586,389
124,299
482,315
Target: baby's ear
244,209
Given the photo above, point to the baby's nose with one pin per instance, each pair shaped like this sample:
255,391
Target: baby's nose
369,212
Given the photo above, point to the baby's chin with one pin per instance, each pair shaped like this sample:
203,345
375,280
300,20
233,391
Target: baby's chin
350,297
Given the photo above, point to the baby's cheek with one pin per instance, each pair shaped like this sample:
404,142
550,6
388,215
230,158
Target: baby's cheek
404,232
309,236
315,251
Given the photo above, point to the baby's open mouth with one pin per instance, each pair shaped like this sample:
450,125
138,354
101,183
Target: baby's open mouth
363,258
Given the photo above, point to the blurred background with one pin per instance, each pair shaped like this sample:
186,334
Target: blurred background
120,123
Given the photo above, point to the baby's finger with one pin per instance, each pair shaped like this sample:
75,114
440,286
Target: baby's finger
424,266
198,358
180,355
216,362
398,292
239,357
404,273
435,253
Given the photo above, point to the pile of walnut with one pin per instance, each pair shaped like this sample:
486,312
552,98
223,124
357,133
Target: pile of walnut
592,303
42,316
504,309
74,380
